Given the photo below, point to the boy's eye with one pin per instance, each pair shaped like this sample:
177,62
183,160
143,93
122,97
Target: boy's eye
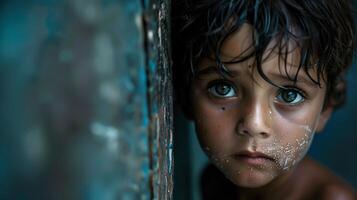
290,96
222,89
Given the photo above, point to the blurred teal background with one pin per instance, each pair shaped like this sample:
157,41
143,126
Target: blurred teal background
73,107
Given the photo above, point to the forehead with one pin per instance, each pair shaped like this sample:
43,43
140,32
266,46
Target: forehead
238,44
279,57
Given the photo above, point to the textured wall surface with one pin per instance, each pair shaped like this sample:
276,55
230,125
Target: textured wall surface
156,23
83,115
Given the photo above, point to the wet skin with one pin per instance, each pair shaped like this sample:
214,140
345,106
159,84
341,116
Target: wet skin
253,131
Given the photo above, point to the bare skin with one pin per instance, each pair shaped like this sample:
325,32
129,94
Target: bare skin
255,133
309,181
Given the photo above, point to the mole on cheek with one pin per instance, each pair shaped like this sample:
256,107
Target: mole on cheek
223,108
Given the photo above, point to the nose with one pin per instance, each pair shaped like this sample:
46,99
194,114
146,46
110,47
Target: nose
254,120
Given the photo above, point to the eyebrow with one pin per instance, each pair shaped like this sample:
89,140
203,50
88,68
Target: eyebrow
300,79
214,70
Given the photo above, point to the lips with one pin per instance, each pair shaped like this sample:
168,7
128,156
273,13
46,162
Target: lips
254,158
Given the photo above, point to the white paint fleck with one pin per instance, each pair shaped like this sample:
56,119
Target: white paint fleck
110,134
150,35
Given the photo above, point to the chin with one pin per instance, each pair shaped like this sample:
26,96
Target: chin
251,179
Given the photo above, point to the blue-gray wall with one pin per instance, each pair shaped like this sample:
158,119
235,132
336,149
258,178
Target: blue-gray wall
82,105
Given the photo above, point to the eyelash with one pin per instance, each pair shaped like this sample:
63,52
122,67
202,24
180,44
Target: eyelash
211,88
297,91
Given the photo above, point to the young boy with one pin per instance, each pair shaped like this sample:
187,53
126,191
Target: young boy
259,78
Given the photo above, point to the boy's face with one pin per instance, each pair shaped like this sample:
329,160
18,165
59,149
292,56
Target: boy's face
251,130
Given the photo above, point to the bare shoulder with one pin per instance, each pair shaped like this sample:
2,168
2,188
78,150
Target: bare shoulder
337,191
326,185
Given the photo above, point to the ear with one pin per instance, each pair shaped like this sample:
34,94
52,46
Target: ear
324,117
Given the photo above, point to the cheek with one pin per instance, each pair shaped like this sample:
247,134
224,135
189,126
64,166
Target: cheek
292,132
213,128
306,115
215,141
214,124
288,154
291,139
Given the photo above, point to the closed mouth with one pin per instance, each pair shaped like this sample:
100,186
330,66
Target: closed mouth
252,155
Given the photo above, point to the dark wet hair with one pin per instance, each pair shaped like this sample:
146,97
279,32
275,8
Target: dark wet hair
323,31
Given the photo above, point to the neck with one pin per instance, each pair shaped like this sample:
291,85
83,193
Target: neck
273,190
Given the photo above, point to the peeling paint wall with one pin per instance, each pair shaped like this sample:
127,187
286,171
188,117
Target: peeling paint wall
156,23
85,100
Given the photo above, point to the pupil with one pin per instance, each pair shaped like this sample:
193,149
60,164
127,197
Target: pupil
223,89
289,96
